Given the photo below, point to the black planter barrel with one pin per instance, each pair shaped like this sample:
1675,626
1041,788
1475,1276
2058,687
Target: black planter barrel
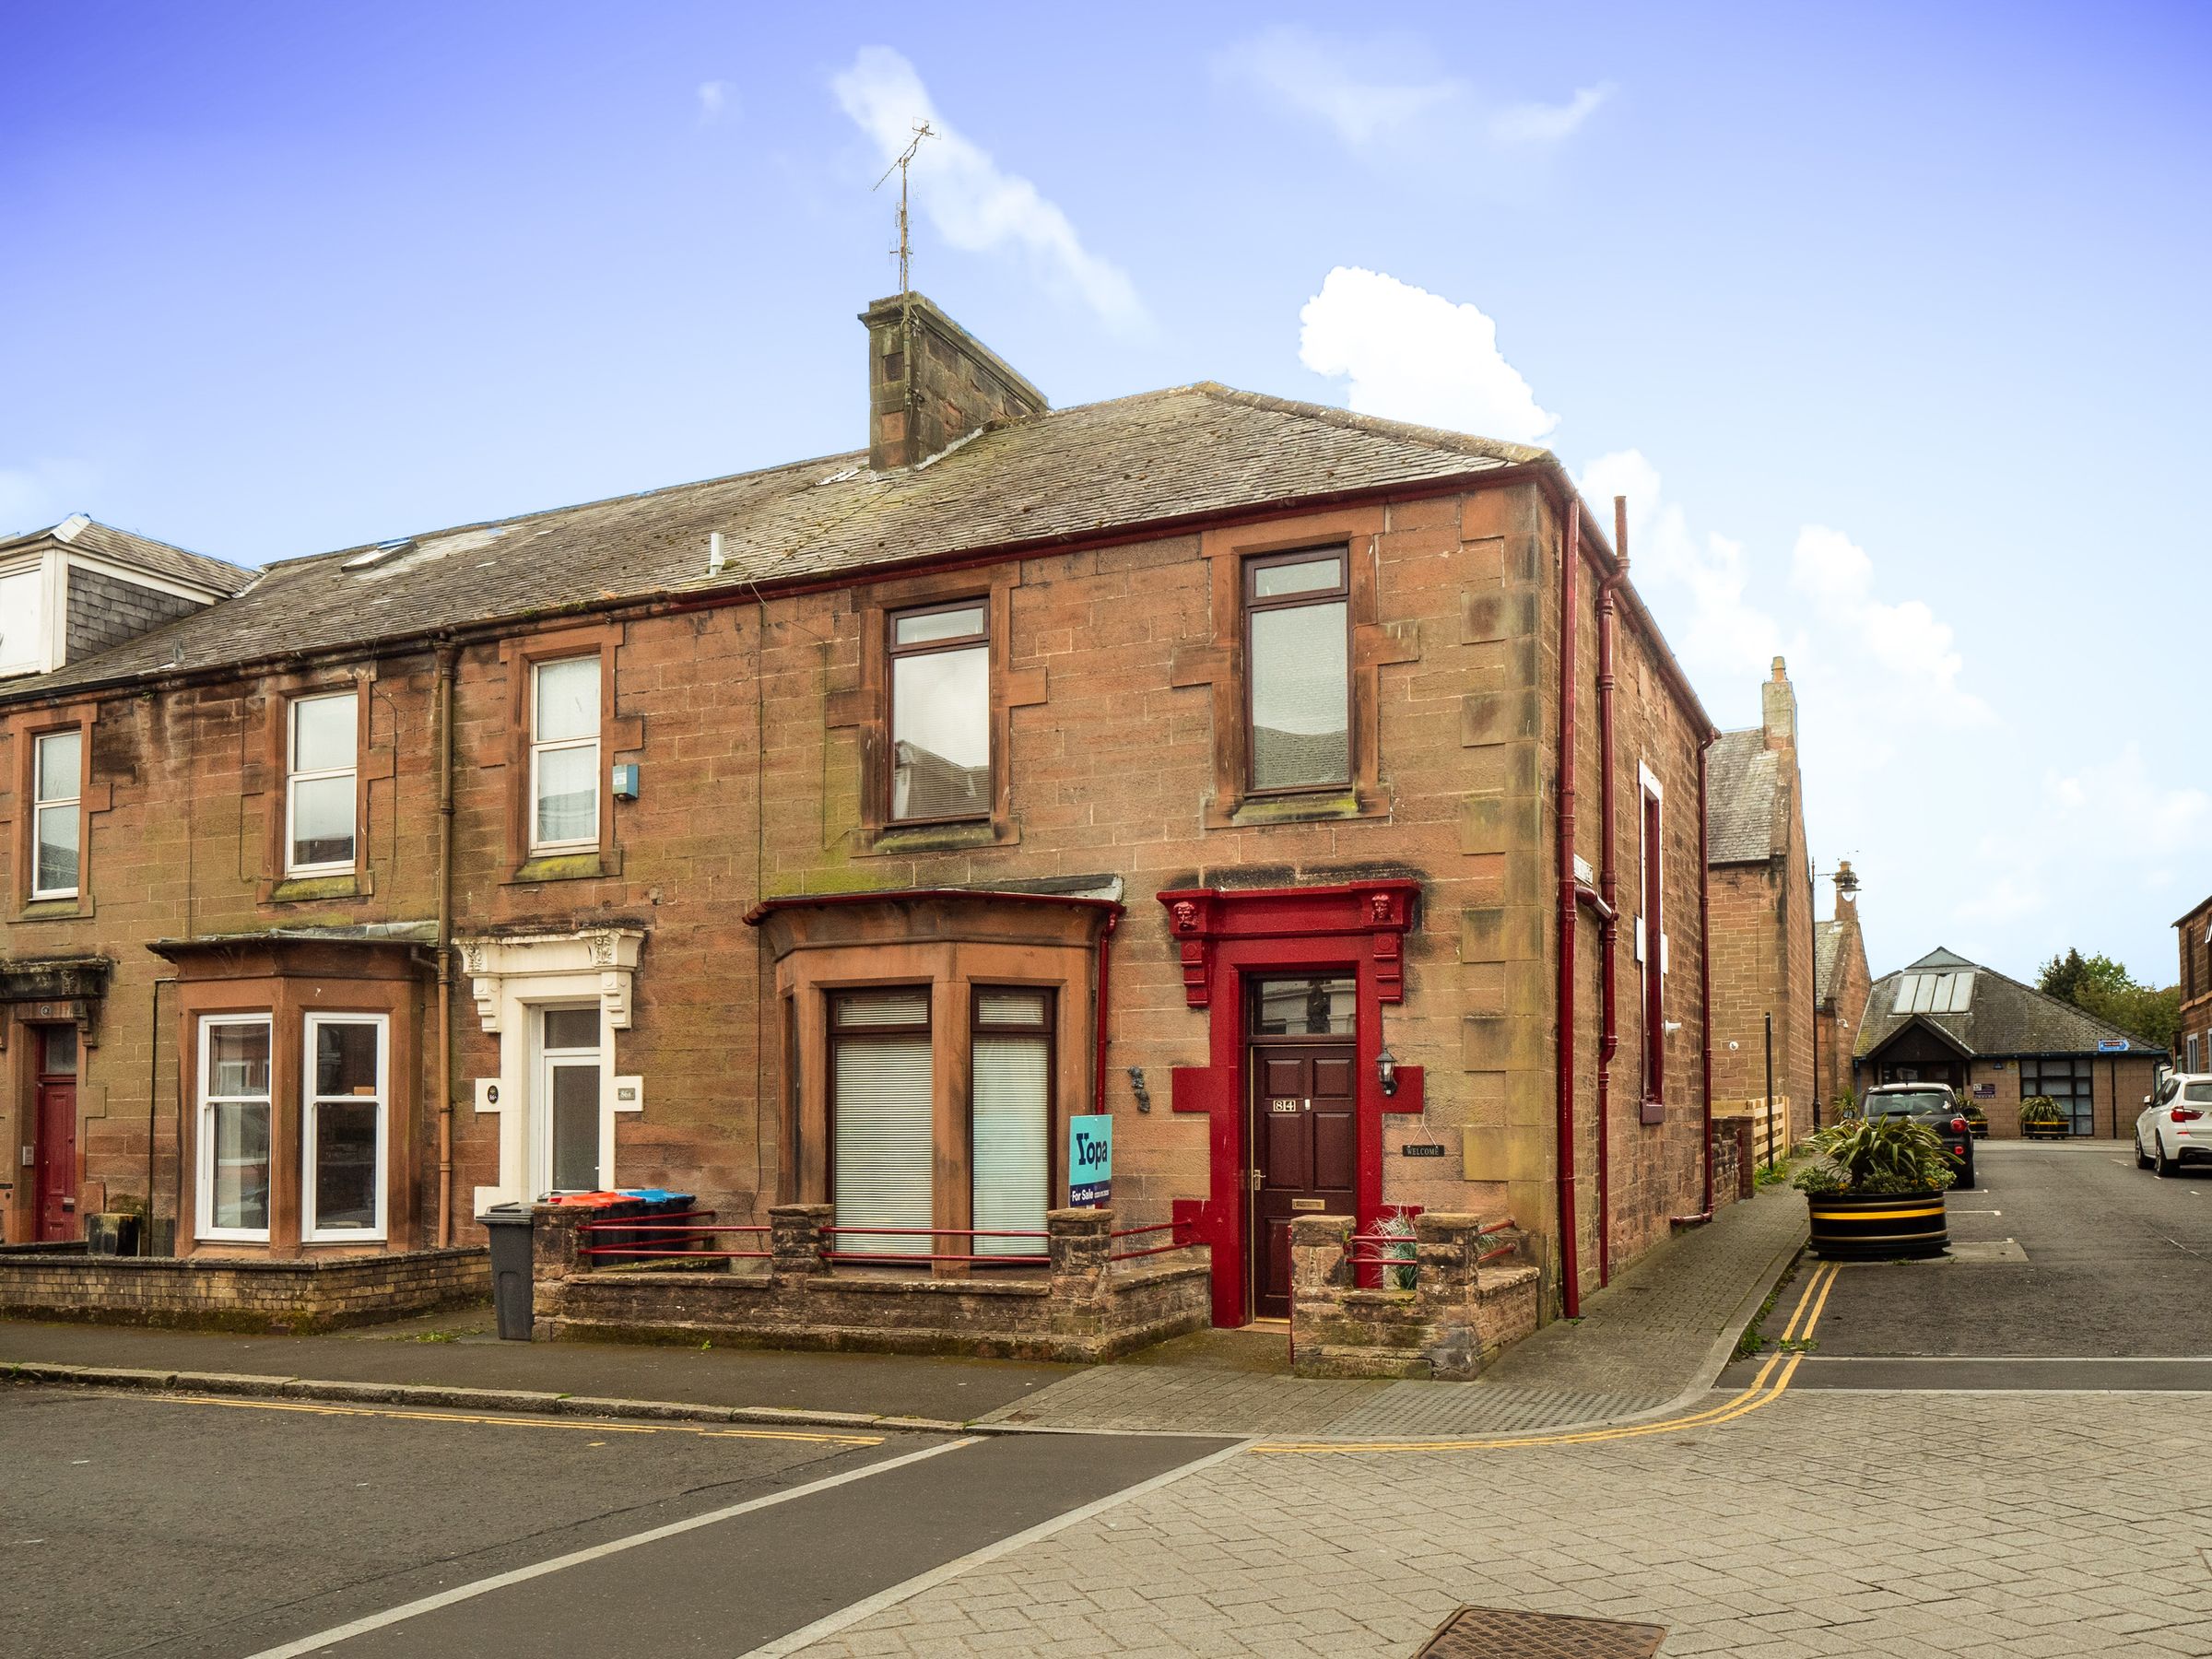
1865,1226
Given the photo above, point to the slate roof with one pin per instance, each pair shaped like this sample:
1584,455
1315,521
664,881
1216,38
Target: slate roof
1155,457
1742,779
127,547
2005,1017
1828,944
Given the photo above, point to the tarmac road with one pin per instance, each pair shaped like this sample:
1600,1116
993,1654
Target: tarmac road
2070,1269
168,1528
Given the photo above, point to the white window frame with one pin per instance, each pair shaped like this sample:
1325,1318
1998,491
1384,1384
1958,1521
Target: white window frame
203,1227
537,748
40,805
543,1060
1648,782
293,776
311,1228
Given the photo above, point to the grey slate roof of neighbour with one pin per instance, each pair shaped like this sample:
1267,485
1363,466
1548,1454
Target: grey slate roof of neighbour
1157,456
1742,776
126,548
2004,1017
1828,944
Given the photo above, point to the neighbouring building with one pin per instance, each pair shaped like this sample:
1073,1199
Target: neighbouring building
73,590
1298,789
1761,889
2000,1042
2193,935
1841,985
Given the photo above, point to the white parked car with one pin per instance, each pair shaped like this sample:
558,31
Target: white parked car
2176,1123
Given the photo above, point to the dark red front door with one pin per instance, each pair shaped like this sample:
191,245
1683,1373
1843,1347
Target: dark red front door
56,1172
1304,1148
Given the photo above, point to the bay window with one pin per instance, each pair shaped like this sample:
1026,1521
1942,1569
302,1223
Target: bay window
882,1145
1010,1118
345,1063
564,754
940,722
1297,671
321,775
234,1127
57,787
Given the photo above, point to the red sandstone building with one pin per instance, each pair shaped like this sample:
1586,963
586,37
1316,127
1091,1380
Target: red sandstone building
1311,794
1842,987
2193,935
1760,887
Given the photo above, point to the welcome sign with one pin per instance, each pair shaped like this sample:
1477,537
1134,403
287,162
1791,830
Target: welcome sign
1089,1161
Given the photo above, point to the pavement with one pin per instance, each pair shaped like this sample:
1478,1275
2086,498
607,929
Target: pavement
1659,1333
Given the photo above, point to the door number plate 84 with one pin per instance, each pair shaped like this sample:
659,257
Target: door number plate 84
1285,1104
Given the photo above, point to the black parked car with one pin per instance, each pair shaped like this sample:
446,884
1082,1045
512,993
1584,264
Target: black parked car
1935,1105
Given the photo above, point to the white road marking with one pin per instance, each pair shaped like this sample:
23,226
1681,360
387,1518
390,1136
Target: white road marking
872,1605
500,1581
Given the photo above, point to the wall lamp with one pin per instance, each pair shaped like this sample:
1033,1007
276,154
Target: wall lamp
1387,1070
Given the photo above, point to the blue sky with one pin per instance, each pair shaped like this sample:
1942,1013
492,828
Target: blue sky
1888,319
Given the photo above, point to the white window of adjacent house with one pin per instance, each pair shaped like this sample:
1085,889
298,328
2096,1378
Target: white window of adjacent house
564,755
234,1127
319,781
57,828
344,1136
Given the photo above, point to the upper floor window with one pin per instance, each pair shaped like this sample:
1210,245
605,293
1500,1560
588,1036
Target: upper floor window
57,824
320,781
941,714
564,754
1298,677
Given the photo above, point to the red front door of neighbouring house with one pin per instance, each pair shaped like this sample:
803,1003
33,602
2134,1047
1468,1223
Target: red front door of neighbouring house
57,1159
54,1170
1305,1148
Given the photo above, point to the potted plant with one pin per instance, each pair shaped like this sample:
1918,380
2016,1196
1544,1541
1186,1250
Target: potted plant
1874,1190
2042,1118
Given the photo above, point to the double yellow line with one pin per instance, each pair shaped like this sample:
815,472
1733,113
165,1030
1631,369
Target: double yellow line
1773,1377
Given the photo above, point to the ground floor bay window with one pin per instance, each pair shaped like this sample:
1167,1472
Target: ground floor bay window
300,1056
935,1045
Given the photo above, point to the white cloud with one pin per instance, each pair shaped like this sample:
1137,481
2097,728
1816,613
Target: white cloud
1415,356
974,203
1384,91
1347,86
1548,123
1905,637
715,101
41,492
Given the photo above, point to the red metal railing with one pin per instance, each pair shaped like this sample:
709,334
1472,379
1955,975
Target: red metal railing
681,1229
1132,1232
832,1253
1484,1232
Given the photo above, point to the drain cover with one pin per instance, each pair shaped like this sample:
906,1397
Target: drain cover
1507,1633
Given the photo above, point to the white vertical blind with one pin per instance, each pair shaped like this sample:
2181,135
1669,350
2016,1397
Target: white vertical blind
882,1141
1011,1162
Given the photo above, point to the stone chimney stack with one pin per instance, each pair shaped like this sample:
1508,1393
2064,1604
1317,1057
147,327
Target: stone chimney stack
932,383
1778,709
1847,891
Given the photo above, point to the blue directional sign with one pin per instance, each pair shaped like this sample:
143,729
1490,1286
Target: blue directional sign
2111,1045
1089,1161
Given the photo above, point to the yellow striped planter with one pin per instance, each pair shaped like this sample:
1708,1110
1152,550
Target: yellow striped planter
1852,1227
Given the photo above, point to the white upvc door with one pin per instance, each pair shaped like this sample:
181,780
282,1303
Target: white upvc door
568,1116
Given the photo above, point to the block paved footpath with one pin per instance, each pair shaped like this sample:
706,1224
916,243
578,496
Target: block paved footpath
1660,1331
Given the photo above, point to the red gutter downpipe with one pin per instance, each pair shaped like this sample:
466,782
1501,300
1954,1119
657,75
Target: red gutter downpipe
1570,1294
1105,965
1609,888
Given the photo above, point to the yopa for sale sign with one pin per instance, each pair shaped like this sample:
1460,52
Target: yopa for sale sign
1089,1161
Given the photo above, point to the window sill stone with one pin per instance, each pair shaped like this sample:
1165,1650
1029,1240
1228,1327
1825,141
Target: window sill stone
1302,810
78,908
309,890
943,838
568,866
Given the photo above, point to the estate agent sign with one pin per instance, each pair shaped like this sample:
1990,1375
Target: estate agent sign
1089,1161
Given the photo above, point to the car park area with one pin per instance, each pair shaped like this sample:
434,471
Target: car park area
2070,1268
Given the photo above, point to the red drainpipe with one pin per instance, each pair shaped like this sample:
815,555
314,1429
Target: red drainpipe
1704,980
1105,964
1608,889
1570,1297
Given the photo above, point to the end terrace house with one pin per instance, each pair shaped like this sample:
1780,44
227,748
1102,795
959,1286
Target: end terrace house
1311,793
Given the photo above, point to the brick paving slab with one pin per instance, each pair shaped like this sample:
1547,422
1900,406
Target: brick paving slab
1773,1534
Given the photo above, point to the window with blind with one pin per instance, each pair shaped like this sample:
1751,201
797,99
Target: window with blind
1011,1135
882,1149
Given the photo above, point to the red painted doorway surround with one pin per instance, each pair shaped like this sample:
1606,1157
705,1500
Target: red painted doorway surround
1228,938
